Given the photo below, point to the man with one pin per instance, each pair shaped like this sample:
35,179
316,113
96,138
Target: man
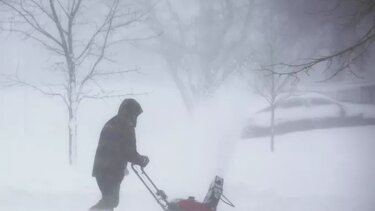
117,147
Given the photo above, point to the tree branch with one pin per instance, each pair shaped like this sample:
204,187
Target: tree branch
16,81
30,19
107,96
363,42
91,73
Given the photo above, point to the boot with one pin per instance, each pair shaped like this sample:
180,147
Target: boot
101,205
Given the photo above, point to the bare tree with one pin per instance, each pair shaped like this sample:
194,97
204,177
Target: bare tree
80,46
352,13
265,50
274,89
200,50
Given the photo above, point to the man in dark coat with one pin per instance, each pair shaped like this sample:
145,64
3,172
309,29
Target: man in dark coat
117,147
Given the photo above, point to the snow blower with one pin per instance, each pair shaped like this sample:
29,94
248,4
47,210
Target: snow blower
210,202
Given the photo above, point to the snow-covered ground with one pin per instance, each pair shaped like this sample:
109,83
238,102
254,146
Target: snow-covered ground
319,170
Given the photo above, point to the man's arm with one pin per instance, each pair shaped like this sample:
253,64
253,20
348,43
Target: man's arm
130,151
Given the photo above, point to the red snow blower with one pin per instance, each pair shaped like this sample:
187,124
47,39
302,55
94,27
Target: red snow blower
210,202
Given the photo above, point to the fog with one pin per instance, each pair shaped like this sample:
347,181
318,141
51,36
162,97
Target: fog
209,76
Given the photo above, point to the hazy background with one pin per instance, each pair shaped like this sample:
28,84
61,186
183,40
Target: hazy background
188,144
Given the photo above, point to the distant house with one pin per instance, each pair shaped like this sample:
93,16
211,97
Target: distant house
353,92
309,111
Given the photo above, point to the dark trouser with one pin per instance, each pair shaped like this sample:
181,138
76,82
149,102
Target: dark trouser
110,187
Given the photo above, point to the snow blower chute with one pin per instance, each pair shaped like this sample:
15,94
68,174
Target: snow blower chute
210,202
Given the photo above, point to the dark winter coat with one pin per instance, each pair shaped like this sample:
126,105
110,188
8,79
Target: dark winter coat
117,147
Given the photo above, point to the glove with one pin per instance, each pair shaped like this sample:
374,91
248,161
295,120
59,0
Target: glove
143,161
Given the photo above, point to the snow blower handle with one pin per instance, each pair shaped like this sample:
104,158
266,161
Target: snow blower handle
159,195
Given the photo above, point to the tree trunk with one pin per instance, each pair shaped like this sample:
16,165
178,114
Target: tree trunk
72,128
272,134
273,107
184,92
73,105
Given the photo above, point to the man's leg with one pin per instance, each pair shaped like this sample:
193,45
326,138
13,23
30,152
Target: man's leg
103,187
110,187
